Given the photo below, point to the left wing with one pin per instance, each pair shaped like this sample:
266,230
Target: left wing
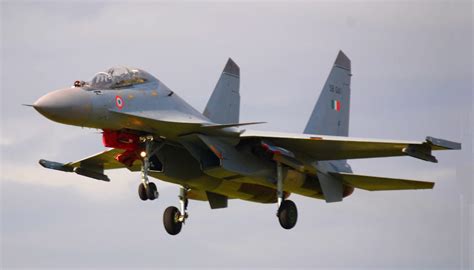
92,166
176,125
320,147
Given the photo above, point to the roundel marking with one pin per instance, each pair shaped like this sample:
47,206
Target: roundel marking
119,102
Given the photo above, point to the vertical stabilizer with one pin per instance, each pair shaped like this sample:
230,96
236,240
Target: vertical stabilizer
224,105
330,115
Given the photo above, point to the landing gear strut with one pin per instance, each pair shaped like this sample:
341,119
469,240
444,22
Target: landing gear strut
173,219
147,190
287,212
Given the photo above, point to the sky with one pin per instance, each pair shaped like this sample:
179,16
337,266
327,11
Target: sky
412,77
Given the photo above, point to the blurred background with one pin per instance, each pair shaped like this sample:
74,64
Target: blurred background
412,77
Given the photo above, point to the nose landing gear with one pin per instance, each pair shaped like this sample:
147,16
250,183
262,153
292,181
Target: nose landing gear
147,190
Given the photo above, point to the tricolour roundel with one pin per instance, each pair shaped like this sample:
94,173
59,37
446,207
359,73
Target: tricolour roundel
119,102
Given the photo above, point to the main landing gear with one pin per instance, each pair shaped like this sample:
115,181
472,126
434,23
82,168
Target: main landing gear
287,212
173,219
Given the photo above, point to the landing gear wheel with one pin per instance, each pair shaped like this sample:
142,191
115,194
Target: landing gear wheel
142,192
171,220
152,191
287,214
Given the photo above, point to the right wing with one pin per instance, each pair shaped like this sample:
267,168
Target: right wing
105,160
92,166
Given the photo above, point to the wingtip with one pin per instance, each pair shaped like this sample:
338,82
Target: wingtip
232,68
444,143
342,60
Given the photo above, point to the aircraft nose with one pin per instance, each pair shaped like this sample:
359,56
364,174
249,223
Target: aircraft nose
70,106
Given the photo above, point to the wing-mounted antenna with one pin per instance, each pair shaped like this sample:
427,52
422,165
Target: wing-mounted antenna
223,106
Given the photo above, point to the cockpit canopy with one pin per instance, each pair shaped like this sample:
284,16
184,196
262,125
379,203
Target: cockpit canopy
117,77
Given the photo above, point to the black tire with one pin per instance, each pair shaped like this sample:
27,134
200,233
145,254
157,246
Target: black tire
142,192
152,191
170,220
288,214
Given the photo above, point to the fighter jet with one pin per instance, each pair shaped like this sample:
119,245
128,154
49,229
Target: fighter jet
148,128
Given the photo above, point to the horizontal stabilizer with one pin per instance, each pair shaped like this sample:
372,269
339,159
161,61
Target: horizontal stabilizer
373,183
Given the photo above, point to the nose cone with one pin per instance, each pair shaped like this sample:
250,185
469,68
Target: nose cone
70,106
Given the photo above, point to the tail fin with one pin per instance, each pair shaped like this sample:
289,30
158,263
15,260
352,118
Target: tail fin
224,105
330,115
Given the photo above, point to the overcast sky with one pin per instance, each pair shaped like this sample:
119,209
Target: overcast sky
412,66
